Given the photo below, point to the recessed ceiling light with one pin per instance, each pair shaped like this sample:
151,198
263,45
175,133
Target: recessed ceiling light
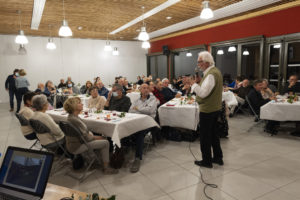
121,37
168,17
138,30
79,27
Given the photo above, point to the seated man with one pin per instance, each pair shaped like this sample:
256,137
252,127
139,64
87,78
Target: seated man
61,83
293,86
27,113
103,91
236,84
116,100
157,92
147,105
240,94
266,92
186,85
40,104
167,92
95,100
256,101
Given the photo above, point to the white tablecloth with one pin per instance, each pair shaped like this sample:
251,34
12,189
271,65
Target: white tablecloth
133,96
186,116
229,98
117,128
174,114
281,111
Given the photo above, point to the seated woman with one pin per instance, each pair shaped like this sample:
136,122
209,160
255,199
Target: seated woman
86,88
40,104
27,113
49,88
74,106
95,100
266,92
69,89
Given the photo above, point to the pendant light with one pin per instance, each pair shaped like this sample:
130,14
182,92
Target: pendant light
189,54
65,30
146,45
50,45
107,46
21,38
206,12
277,46
232,49
115,52
246,53
220,52
143,36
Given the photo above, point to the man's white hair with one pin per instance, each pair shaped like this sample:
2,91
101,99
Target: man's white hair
207,57
165,79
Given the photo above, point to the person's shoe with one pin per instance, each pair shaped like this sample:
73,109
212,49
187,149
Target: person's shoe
201,163
11,110
135,167
218,161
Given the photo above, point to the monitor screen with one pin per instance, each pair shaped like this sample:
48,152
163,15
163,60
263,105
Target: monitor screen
26,170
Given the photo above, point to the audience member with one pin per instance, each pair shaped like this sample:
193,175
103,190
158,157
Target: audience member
40,104
103,91
69,80
157,92
146,105
49,89
27,113
139,80
240,94
293,86
40,88
22,85
86,88
167,92
10,86
74,145
134,88
266,92
96,101
116,100
61,84
236,84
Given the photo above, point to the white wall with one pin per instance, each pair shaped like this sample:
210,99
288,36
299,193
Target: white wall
82,59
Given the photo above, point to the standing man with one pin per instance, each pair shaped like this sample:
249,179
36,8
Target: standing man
209,98
10,86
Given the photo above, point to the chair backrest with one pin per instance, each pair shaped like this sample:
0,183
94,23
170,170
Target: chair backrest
23,121
38,126
71,131
251,108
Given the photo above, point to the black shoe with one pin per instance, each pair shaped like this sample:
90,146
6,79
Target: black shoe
272,132
202,164
218,161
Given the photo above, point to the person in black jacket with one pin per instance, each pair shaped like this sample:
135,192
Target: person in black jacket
293,87
256,101
116,100
10,86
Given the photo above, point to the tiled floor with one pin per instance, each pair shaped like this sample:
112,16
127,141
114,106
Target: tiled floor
257,166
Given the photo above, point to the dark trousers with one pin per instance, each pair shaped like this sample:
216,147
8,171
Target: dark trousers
12,94
209,137
19,96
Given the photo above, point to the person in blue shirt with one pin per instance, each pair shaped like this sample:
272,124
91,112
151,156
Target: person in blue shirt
101,89
22,85
10,86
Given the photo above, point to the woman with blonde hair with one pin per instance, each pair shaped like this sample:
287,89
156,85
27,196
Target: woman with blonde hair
22,87
74,106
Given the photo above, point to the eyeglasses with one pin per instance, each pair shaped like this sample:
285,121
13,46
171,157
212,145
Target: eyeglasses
201,61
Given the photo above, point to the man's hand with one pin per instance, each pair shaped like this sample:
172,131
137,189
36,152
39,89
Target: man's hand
177,95
109,95
135,108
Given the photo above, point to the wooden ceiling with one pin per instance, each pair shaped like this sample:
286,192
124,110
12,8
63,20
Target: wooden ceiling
98,17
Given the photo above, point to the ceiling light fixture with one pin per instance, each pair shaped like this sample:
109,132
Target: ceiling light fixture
220,52
107,46
146,45
50,45
79,28
115,52
65,30
21,38
232,49
189,54
277,46
206,12
143,36
246,53
168,17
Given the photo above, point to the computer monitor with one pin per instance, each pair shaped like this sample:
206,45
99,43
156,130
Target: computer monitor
26,170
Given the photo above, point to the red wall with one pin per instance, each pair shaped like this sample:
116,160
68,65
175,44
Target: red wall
273,24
